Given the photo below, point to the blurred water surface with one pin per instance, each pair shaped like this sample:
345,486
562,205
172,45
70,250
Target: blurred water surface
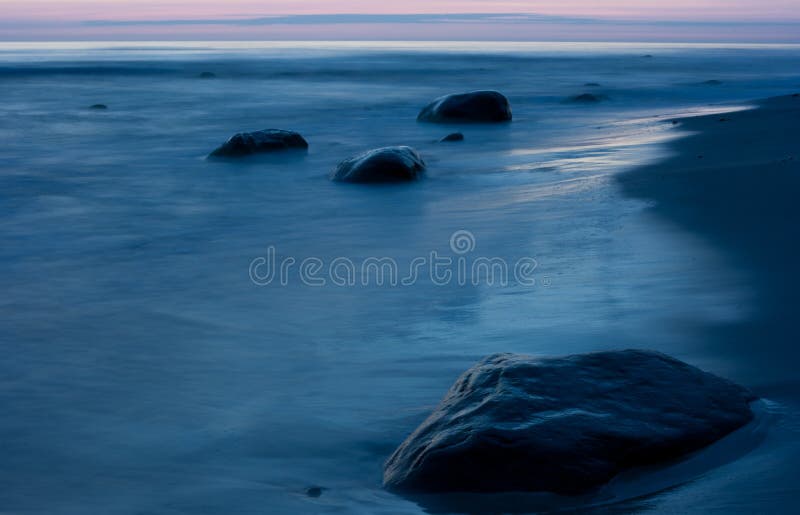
145,373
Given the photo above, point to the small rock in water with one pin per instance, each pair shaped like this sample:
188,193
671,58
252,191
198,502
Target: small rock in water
477,106
592,85
208,75
456,136
564,425
269,140
315,491
587,98
388,164
648,56
713,82
98,107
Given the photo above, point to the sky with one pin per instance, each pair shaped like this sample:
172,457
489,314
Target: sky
532,20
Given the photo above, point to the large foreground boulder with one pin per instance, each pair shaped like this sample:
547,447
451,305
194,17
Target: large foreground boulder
478,106
268,140
388,164
564,425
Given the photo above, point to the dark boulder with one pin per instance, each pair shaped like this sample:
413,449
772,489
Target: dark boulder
456,136
98,107
477,106
269,140
564,425
388,164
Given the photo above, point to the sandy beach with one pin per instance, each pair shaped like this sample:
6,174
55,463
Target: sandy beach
734,180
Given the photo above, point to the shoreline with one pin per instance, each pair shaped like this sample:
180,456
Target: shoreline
733,180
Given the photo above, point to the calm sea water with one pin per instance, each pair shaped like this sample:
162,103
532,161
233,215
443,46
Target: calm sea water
145,372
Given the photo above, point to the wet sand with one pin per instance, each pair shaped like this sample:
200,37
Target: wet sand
734,181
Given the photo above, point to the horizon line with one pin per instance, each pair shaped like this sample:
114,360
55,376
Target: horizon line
390,41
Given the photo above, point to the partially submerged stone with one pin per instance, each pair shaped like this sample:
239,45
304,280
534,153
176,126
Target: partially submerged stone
98,107
477,106
315,491
587,98
456,136
388,164
564,425
269,140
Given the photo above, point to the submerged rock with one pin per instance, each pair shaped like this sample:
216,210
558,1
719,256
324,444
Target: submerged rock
713,82
456,136
269,140
208,75
477,106
587,98
315,491
388,164
98,107
592,85
564,425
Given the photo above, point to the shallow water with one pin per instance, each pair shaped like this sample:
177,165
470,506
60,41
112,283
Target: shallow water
145,372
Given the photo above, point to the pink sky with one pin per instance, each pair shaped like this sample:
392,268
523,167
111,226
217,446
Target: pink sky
66,19
636,9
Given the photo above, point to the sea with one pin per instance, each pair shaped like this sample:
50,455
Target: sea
191,336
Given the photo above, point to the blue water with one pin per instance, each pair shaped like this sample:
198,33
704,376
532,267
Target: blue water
143,370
